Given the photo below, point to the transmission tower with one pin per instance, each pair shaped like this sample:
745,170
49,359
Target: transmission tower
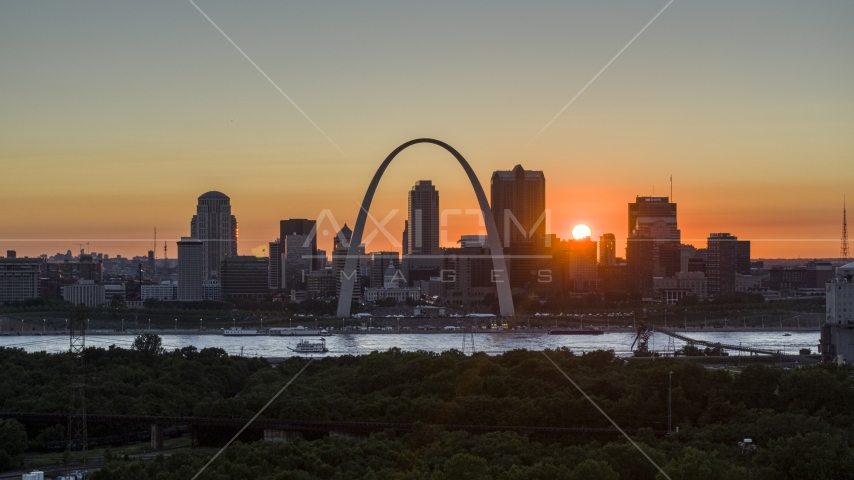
468,336
77,433
843,251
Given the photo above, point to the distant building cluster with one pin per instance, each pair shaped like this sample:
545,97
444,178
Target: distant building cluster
656,267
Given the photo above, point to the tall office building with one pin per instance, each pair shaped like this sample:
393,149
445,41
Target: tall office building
380,262
582,264
519,195
298,260
19,278
341,244
274,272
298,238
422,225
301,226
216,227
244,277
608,249
726,257
190,270
742,257
653,247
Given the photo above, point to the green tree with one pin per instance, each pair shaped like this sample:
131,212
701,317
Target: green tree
593,469
805,457
13,442
149,344
463,465
695,464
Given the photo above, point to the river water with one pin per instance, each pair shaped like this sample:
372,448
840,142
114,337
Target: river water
491,343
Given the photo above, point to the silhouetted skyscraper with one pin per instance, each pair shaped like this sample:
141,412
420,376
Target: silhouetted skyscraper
380,262
423,222
721,263
299,251
726,257
190,274
300,226
244,277
653,246
216,227
274,272
519,204
608,249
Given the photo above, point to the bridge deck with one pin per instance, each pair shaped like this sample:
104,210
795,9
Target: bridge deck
725,346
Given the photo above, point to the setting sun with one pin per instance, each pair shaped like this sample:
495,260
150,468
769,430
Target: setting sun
580,231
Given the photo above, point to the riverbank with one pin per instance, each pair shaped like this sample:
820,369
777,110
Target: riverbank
185,332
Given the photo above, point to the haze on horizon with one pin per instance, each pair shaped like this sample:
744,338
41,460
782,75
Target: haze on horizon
116,117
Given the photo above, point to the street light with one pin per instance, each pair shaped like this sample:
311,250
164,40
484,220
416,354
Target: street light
747,446
176,324
200,325
44,325
670,402
149,324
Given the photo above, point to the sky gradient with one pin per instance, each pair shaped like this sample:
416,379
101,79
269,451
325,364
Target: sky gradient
114,118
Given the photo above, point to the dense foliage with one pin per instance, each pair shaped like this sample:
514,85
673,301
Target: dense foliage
431,454
800,419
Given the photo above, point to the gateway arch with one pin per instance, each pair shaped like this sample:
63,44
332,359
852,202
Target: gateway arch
502,279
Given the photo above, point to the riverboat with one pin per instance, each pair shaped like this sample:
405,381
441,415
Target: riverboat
575,331
241,332
305,346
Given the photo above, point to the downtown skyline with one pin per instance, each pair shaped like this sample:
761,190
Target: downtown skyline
111,132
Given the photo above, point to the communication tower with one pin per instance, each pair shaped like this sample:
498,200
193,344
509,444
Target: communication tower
77,432
843,250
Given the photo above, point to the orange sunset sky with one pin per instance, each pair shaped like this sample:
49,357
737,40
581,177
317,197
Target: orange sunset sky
114,118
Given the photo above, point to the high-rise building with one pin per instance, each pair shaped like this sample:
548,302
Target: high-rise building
405,240
322,259
582,264
742,257
726,257
301,226
653,246
190,273
466,275
423,219
274,273
518,201
608,249
150,267
341,243
380,262
19,278
244,277
216,227
298,257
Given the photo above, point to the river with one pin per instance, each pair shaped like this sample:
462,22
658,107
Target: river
489,342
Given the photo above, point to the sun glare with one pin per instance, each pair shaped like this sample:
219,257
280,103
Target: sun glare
580,231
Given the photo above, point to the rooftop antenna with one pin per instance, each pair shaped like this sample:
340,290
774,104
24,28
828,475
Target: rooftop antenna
154,252
843,251
671,188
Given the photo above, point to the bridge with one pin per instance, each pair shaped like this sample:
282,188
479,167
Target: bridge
724,346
